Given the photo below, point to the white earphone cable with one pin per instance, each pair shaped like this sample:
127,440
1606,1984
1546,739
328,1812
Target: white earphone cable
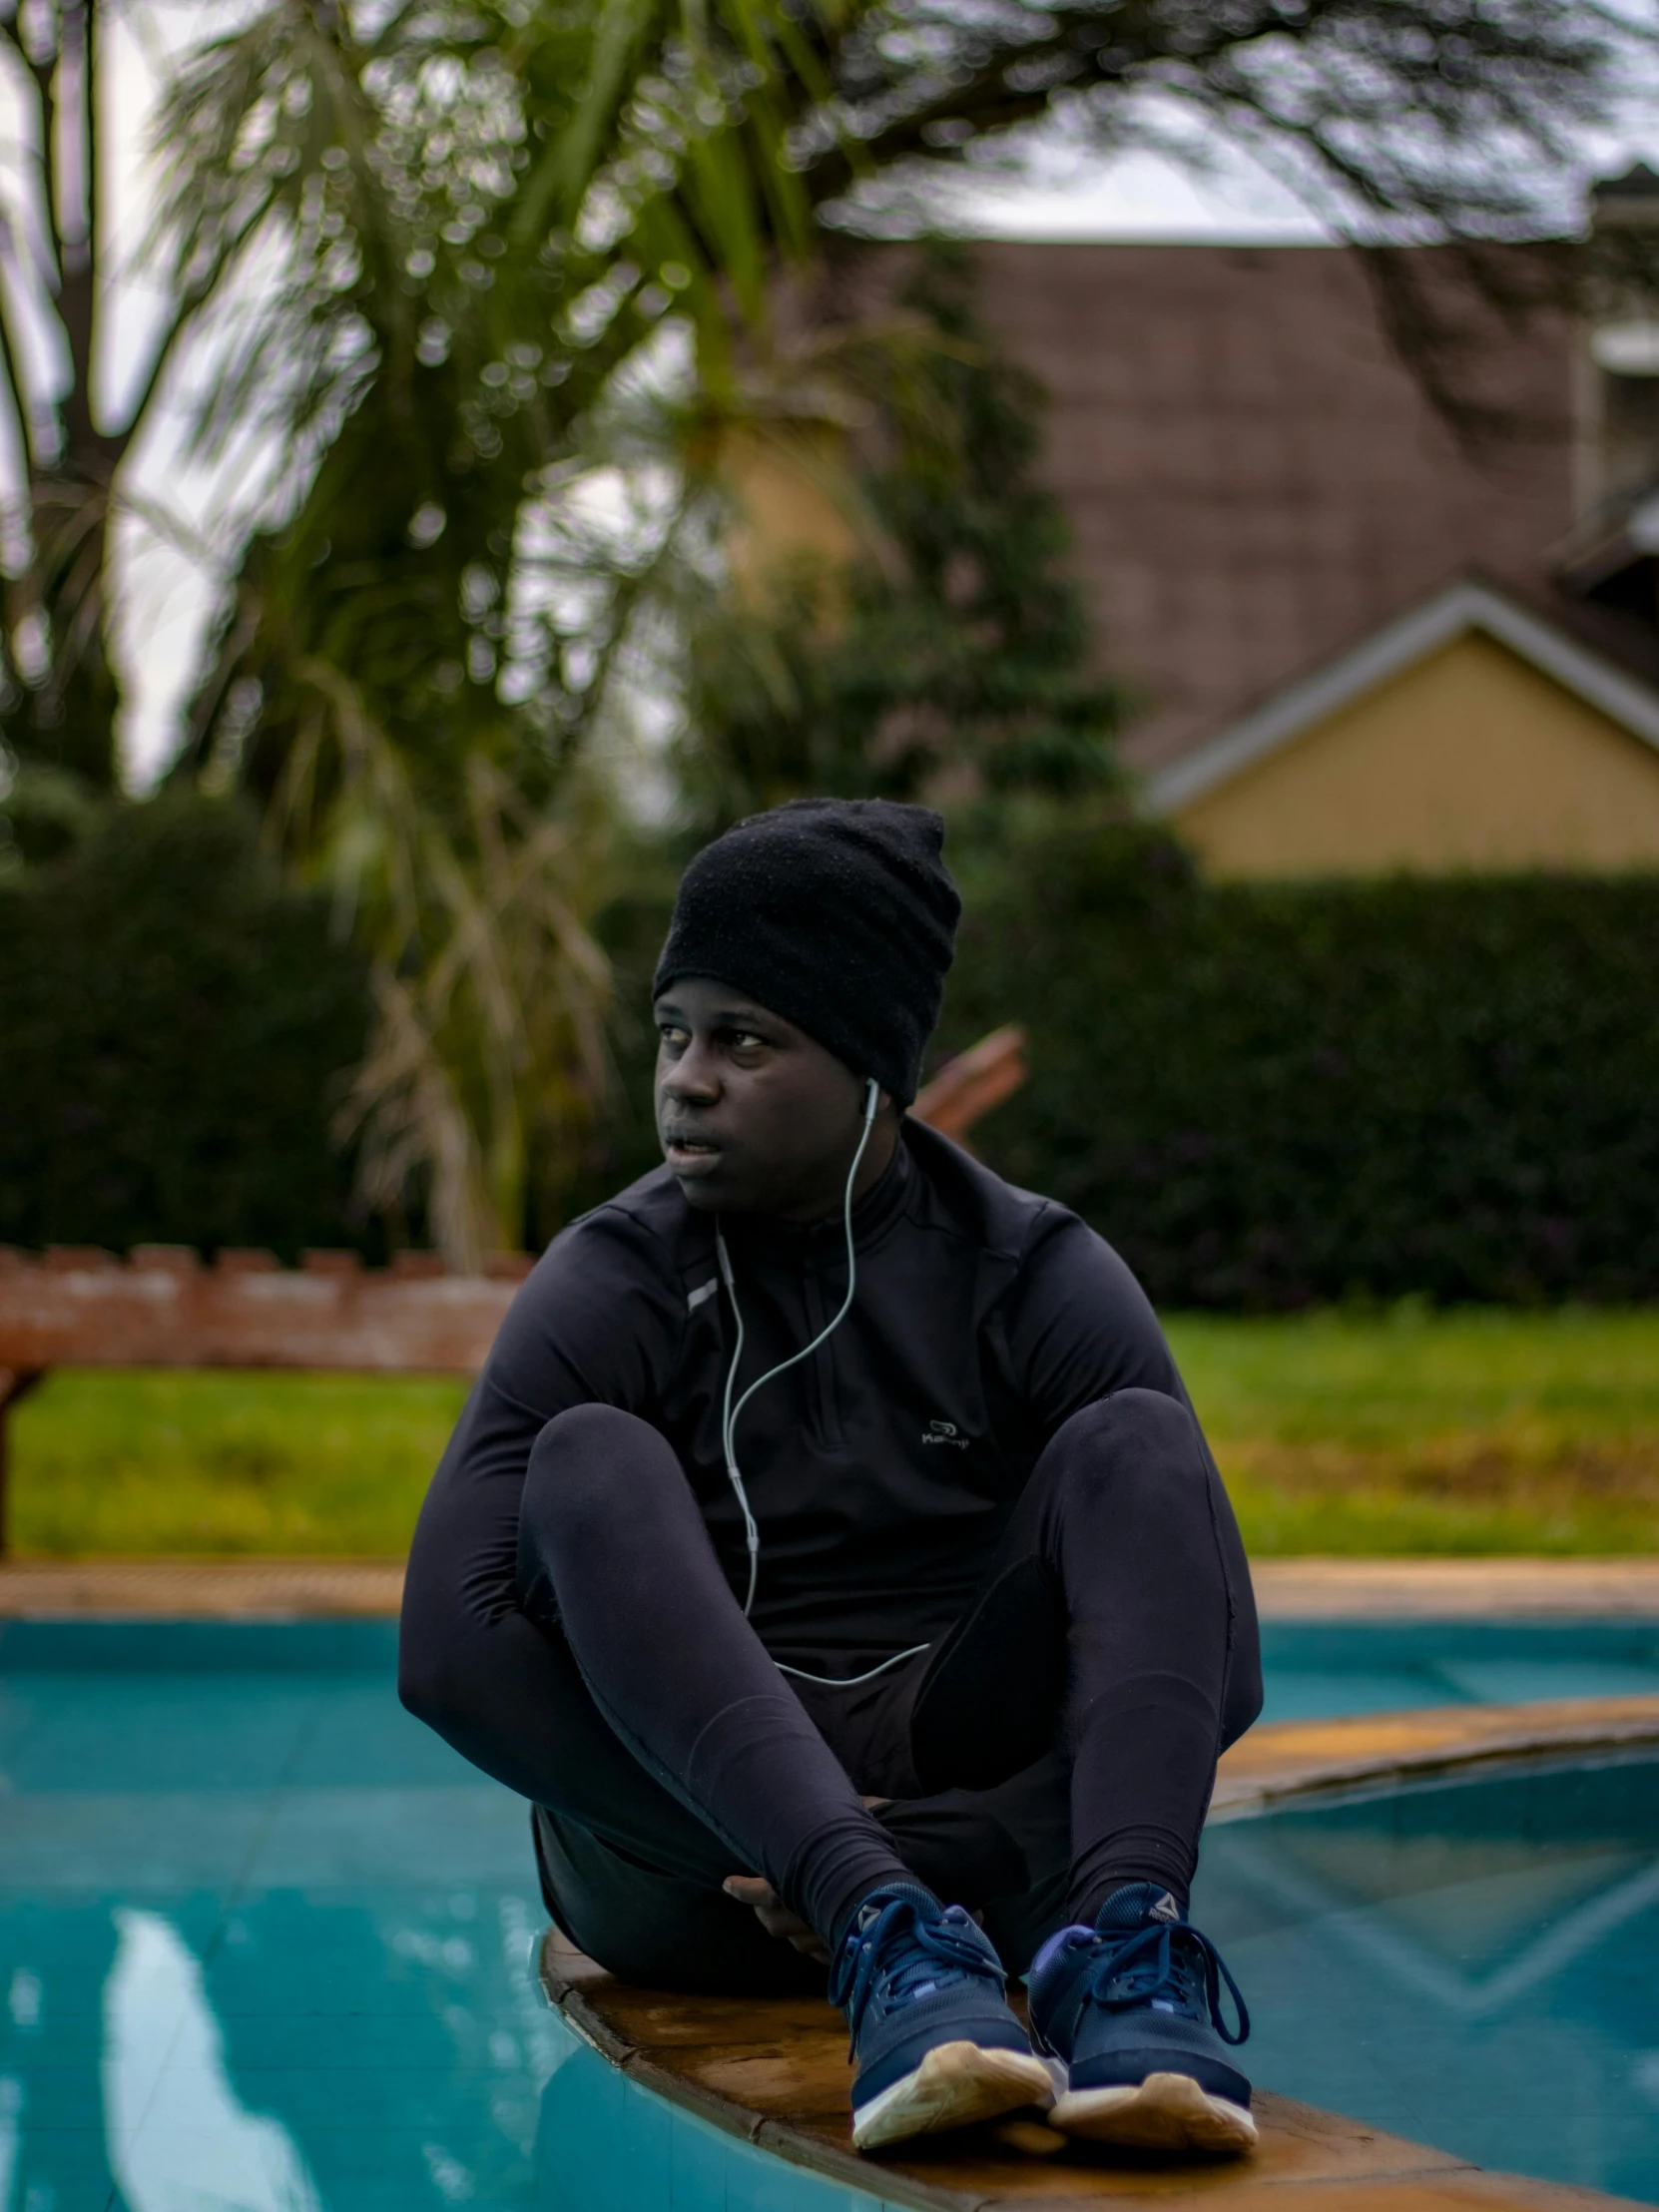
847,1681
751,1535
730,1412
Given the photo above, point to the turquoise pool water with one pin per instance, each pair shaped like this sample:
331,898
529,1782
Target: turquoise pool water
1317,1669
1471,1963
264,1941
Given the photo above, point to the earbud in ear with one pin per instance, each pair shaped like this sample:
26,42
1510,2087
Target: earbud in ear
871,1101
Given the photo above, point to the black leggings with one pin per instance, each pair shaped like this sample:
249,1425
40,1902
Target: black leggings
1110,1656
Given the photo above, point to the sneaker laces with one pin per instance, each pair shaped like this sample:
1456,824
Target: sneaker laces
939,1952
1168,1961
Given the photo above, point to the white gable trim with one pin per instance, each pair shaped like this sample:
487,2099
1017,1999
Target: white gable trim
1452,613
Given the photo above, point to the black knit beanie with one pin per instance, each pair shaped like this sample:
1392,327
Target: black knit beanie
838,914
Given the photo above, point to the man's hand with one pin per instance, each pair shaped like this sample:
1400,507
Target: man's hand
774,1915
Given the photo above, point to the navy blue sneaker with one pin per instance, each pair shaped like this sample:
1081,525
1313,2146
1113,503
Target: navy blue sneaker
935,2043
1129,2010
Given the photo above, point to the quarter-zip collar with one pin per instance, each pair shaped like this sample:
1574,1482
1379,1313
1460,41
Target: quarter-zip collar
765,1241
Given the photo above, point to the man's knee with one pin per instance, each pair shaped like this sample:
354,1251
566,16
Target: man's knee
593,1467
429,1684
1131,1437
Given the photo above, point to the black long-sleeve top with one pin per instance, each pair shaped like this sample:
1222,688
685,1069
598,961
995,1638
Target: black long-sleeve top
881,1470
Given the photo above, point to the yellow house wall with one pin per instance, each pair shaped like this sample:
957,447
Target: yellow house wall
1471,759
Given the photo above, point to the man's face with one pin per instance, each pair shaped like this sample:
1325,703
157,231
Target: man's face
755,1116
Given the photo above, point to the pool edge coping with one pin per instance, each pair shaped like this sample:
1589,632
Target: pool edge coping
1313,1588
1282,1759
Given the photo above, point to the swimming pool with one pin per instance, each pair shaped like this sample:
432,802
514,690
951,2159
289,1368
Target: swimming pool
263,1940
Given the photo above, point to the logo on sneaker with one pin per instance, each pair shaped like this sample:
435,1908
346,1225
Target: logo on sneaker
1166,1909
944,1432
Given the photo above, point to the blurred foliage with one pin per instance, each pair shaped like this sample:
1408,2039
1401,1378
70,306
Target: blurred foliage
949,656
172,1019
417,652
43,811
631,927
1268,1095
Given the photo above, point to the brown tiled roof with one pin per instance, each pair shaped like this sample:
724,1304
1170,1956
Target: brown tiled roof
1253,481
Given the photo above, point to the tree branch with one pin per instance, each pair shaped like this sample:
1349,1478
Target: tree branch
89,453
1519,64
15,389
13,591
43,69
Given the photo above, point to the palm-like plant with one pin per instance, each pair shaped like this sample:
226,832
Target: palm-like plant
420,648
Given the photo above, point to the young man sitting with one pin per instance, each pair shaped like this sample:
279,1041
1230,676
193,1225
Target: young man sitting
830,1553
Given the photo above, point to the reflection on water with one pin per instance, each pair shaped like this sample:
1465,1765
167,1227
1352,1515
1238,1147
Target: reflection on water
11,2107
307,2054
178,2135
477,2097
1472,1964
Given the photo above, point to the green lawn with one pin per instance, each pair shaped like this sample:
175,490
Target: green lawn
1452,1433
1401,1432
162,1460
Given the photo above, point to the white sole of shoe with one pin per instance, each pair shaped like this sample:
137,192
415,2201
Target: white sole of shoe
1166,2111
955,2084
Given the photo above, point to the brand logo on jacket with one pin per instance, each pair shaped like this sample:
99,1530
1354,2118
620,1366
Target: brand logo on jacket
944,1432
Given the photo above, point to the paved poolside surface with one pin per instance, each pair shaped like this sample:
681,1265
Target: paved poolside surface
1286,1589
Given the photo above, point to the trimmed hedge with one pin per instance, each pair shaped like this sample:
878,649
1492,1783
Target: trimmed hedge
1271,1095
171,1026
1267,1095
